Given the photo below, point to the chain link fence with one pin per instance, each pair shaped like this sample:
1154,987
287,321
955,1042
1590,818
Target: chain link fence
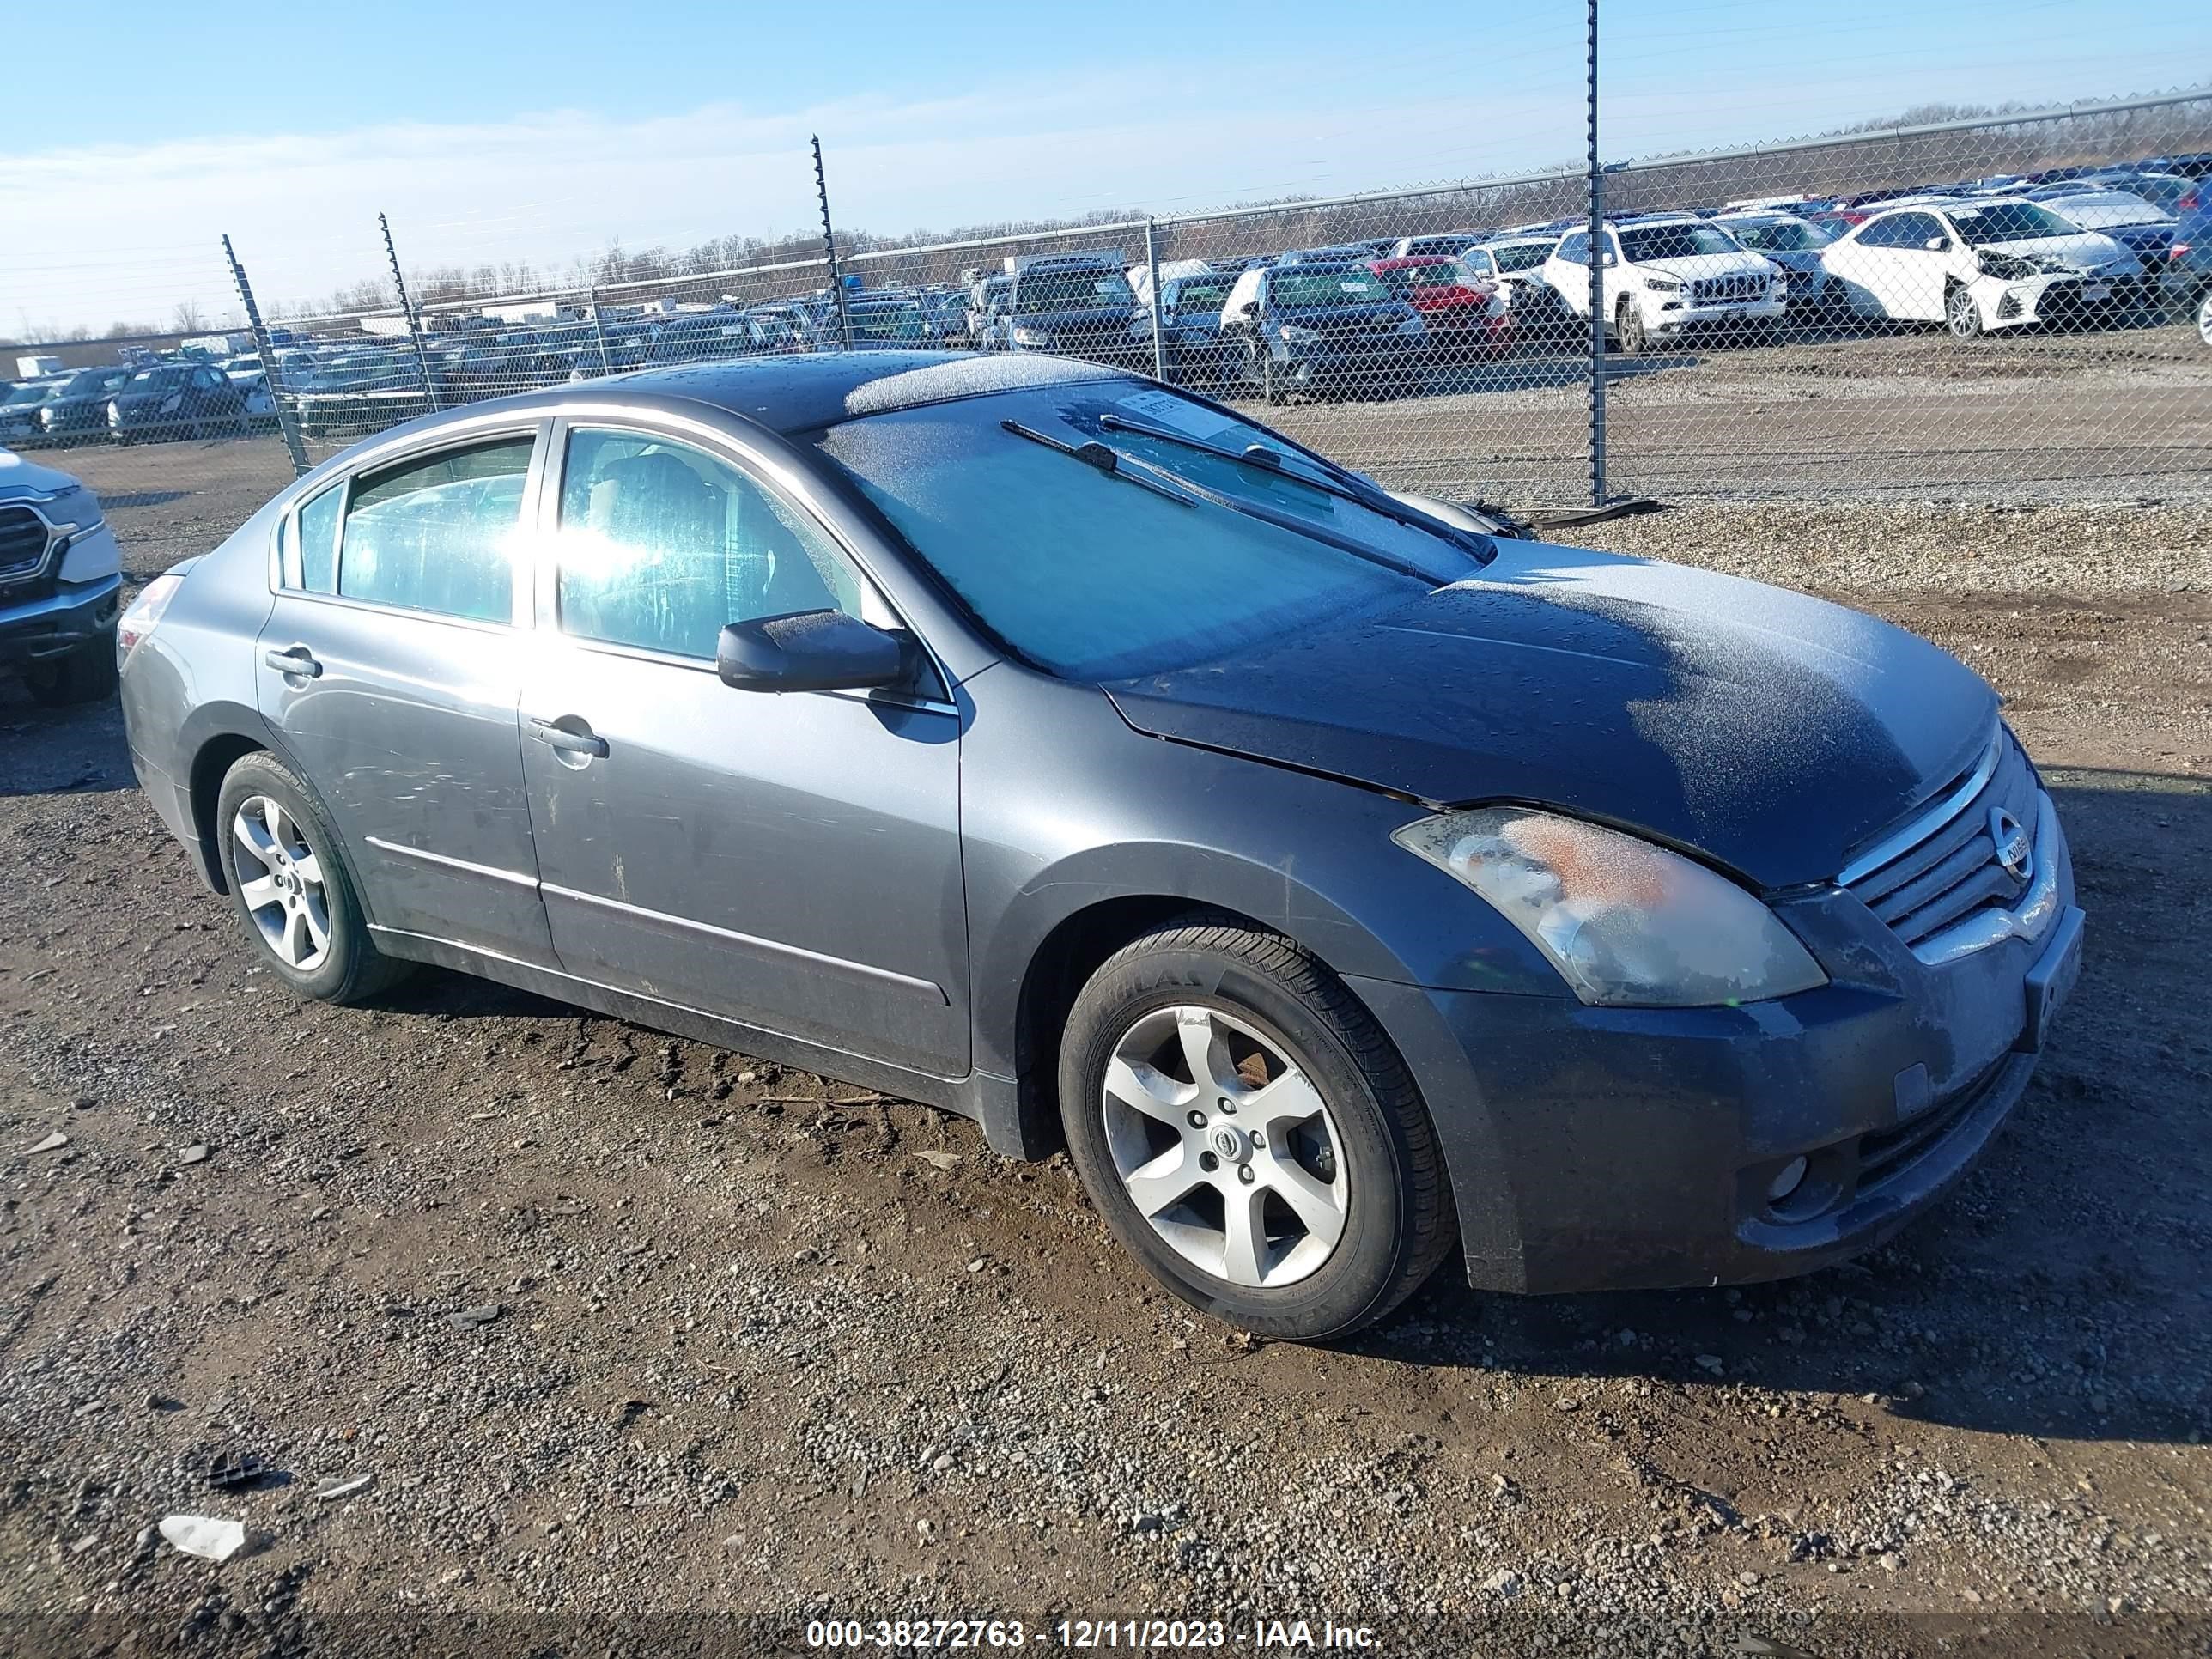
2009,308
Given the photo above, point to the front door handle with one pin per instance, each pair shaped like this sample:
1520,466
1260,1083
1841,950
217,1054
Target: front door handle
568,742
297,660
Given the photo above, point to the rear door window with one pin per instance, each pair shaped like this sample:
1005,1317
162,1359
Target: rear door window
437,533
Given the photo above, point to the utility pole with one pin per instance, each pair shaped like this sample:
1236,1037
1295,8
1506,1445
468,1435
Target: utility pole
287,421
829,244
1596,285
407,310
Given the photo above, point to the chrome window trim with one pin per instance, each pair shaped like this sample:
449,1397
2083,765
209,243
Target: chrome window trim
1895,846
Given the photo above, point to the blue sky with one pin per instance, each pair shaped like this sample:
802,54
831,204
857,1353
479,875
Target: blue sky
542,131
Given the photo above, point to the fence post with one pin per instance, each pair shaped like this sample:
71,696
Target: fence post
287,420
407,310
829,246
1596,285
598,329
1159,341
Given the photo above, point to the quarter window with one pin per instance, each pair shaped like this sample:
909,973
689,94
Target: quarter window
316,570
662,543
436,534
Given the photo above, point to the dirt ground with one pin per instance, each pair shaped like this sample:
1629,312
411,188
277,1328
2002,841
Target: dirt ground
764,1353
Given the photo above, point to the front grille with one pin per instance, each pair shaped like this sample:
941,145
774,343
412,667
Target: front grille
1949,869
22,545
1723,290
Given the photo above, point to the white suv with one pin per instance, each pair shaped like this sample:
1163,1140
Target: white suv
1665,277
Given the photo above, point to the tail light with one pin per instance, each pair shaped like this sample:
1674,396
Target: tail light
145,611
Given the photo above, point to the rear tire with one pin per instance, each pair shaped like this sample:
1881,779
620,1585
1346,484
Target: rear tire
290,887
1304,1225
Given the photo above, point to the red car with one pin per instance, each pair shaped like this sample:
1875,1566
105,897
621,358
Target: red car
1460,313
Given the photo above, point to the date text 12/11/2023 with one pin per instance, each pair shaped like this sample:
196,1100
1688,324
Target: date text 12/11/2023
1082,1635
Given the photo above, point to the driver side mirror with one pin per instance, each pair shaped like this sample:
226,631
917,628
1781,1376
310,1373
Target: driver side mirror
809,651
1938,245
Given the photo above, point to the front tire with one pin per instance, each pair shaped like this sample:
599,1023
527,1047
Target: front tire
291,888
85,675
2204,318
1962,314
1628,330
1250,1134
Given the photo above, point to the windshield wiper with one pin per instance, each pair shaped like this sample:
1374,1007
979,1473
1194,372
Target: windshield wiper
1262,459
1102,458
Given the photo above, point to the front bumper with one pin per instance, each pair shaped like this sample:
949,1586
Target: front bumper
72,615
2054,299
1680,316
1631,1148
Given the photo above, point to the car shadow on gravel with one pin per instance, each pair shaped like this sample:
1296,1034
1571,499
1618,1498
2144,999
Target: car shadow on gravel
2058,1290
57,751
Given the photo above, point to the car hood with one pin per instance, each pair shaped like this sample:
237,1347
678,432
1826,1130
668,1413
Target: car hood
19,476
1773,732
2086,251
1697,267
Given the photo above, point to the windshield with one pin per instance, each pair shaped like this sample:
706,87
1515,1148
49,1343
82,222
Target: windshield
88,381
2110,207
2008,222
1327,285
1094,580
1779,236
1521,256
157,380
886,322
1071,290
1641,244
28,394
1201,293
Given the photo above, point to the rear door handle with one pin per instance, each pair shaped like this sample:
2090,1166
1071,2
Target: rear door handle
297,660
569,743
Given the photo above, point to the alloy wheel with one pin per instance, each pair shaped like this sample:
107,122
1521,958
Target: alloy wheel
1965,315
2204,319
287,901
1224,1146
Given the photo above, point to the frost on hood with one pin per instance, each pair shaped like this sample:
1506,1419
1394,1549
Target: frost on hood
1761,684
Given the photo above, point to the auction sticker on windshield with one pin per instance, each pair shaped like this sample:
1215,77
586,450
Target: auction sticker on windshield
1177,414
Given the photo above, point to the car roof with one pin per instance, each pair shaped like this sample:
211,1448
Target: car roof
797,394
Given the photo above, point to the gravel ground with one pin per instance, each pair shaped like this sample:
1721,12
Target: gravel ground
645,1347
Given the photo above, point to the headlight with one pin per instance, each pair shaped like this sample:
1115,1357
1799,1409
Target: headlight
1626,923
1293,335
1032,337
1410,326
2009,266
1662,285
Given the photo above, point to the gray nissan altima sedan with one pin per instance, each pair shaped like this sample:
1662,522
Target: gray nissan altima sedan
1336,877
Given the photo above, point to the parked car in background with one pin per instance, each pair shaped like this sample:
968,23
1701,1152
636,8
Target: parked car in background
987,313
1450,243
1077,305
20,407
1663,278
172,400
1192,294
1974,266
1464,317
1794,244
2139,225
61,584
2186,278
881,321
1340,880
366,391
1517,265
1323,330
78,410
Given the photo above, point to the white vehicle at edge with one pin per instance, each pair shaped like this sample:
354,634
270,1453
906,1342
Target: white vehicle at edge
1665,275
1979,264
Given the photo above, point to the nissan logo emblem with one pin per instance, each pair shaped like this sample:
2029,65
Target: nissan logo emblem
2015,853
